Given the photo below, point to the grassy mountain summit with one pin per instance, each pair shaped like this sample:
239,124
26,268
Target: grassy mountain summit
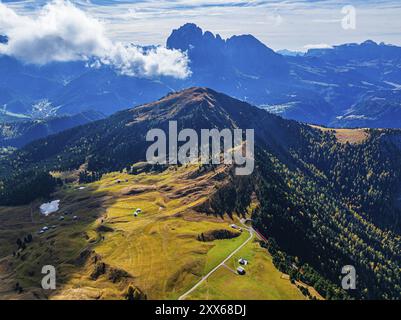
323,198
119,140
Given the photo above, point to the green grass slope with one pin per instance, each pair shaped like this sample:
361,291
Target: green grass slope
107,250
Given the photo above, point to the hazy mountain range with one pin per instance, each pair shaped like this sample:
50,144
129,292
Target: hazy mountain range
18,133
351,85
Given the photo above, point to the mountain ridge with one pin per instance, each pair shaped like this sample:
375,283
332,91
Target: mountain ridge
313,203
319,87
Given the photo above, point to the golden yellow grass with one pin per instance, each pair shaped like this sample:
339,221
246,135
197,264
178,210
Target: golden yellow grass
353,136
262,280
159,249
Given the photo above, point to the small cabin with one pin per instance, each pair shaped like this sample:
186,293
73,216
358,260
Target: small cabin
243,262
234,226
241,271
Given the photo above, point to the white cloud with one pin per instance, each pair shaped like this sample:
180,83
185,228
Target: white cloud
297,22
61,32
318,46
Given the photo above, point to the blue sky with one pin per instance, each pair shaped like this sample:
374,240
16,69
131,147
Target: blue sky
291,24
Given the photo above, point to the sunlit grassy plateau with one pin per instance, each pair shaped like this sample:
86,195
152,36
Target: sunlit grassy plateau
159,253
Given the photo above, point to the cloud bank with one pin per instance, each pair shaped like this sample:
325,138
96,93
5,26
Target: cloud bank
318,46
60,32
